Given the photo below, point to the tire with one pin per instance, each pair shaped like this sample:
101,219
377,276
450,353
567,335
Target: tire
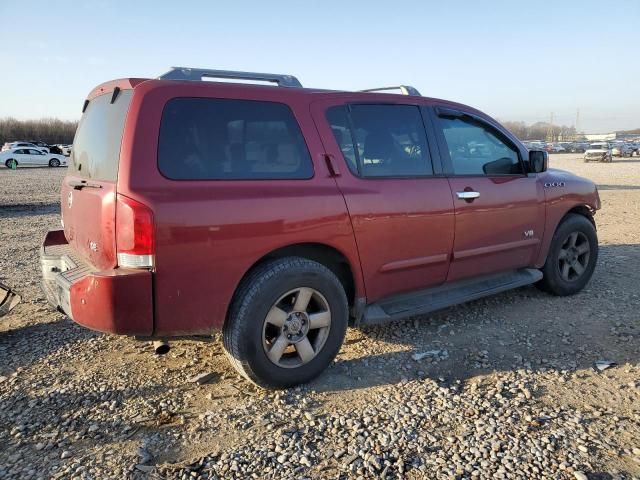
250,338
54,162
9,163
583,232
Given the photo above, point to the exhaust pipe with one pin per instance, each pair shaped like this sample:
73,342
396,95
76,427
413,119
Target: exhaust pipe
161,347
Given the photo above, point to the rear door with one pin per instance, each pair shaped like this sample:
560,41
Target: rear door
499,208
89,189
400,206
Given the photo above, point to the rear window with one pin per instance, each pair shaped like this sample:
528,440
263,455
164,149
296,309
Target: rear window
96,146
218,139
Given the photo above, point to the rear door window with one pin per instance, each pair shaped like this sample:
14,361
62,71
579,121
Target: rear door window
381,140
221,139
96,146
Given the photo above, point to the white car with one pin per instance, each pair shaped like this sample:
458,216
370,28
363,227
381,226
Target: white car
598,152
66,149
13,145
30,156
622,150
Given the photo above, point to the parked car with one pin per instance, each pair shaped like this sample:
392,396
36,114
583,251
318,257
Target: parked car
598,152
65,149
554,148
280,214
13,145
578,147
31,156
621,150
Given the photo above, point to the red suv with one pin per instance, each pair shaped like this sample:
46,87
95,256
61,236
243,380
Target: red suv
280,214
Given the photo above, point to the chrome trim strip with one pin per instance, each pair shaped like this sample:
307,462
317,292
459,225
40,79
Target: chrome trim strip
414,262
474,252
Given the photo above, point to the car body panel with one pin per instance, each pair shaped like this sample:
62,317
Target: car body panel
564,192
500,230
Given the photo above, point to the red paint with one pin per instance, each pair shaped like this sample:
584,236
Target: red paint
397,235
114,301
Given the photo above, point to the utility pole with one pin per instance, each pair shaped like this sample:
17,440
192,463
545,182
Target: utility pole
578,124
550,129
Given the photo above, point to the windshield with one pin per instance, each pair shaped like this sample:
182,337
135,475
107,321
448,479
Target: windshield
96,146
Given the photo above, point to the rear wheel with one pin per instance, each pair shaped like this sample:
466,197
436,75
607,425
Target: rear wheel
11,163
54,162
286,323
572,256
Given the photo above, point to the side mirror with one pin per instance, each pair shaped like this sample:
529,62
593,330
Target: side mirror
538,161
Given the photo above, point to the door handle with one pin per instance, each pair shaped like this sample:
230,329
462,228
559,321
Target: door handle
468,195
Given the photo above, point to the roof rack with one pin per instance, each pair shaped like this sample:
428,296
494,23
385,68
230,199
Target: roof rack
404,90
197,74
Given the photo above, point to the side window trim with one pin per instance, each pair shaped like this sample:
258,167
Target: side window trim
432,160
437,160
438,112
354,142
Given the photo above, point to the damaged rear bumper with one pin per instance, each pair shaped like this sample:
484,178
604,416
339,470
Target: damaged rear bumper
117,301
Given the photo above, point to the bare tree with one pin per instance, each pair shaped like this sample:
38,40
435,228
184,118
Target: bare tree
48,130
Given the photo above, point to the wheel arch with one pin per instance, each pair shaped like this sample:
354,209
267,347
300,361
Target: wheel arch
326,255
582,209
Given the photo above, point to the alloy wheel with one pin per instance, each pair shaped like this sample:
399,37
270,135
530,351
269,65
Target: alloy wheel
296,327
573,257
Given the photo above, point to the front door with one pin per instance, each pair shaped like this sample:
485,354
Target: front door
400,207
37,157
499,208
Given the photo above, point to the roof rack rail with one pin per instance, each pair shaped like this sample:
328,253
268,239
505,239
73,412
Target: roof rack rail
197,74
404,90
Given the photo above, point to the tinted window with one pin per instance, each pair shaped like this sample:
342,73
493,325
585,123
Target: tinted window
212,139
96,146
35,152
476,150
381,140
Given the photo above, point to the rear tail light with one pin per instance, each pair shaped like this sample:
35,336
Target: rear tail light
134,233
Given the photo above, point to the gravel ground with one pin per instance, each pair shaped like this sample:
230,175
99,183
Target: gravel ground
507,387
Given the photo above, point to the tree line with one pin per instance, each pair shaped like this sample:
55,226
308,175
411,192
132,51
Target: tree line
48,130
540,131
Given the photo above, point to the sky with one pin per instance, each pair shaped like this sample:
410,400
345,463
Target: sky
513,60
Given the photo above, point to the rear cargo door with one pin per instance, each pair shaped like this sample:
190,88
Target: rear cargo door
88,191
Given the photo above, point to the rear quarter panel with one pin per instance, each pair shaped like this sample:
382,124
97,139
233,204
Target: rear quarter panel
210,233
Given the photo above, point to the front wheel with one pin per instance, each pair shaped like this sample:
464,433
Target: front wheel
572,256
286,323
54,162
11,163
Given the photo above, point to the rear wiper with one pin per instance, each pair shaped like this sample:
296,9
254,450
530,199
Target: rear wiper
79,185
